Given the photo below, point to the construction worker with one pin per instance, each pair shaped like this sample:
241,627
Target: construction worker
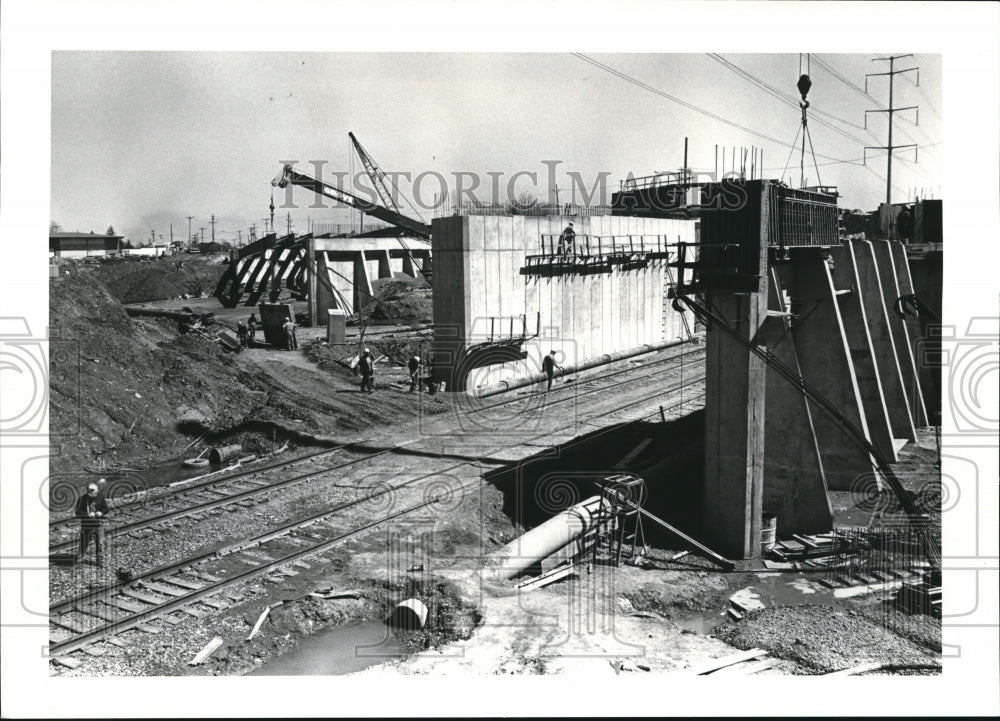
549,366
289,328
414,366
567,241
241,333
91,509
252,327
366,366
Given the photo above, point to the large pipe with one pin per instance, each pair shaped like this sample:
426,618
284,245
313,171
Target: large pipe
523,381
223,453
539,543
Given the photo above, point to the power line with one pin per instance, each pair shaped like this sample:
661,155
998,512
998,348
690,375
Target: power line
892,73
863,93
788,100
684,103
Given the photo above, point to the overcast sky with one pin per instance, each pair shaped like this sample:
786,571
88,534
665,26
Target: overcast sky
143,139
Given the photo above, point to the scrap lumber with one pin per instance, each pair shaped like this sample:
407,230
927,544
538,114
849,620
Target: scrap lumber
210,647
716,663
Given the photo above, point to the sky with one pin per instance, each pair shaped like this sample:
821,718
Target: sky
140,140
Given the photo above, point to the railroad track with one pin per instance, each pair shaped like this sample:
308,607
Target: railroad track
247,489
196,586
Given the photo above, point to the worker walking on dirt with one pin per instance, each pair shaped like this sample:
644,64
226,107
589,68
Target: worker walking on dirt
252,327
241,333
91,509
549,366
290,341
567,241
414,367
366,366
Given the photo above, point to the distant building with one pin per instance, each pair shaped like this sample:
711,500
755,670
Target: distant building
82,245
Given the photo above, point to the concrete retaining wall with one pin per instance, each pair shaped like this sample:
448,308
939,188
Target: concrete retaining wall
479,290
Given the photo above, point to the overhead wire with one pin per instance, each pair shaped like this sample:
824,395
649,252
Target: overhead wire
684,103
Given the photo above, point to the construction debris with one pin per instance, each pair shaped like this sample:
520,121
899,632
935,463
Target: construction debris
210,647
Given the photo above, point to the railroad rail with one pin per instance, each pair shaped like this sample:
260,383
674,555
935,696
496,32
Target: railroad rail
191,587
242,487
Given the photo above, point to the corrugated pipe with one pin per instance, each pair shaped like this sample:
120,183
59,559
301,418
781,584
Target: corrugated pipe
515,383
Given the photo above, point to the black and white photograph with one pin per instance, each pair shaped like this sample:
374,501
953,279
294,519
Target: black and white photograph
404,356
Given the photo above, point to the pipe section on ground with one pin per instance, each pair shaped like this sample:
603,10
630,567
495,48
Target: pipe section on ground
541,542
523,381
223,453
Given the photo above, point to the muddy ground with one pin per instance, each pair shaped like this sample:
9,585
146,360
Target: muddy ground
139,392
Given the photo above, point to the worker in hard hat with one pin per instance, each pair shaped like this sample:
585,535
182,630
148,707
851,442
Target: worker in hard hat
91,509
366,366
414,367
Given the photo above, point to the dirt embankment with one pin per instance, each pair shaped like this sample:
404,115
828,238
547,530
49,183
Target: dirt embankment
134,390
162,278
124,385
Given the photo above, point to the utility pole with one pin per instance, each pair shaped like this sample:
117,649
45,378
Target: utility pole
152,237
289,223
189,230
212,223
239,239
201,236
890,147
253,232
171,234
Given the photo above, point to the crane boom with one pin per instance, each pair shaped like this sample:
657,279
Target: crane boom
291,175
376,174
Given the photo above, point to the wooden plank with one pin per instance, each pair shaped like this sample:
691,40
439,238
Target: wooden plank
146,628
94,650
152,600
717,663
804,541
214,603
191,612
63,622
126,605
207,651
165,589
207,576
94,610
183,582
67,661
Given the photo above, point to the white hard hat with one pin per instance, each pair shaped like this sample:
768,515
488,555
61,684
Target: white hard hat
92,487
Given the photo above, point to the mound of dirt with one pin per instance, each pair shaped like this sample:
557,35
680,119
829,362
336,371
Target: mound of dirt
160,278
123,385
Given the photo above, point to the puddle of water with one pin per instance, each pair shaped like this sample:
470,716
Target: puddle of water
702,623
344,649
784,589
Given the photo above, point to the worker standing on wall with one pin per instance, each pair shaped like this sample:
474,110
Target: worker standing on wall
252,327
414,368
366,366
91,509
549,366
567,241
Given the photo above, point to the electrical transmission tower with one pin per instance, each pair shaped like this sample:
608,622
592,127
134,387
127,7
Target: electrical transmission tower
890,110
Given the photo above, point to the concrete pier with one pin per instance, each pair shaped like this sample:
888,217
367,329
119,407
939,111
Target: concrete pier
794,484
900,332
825,359
856,327
883,344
